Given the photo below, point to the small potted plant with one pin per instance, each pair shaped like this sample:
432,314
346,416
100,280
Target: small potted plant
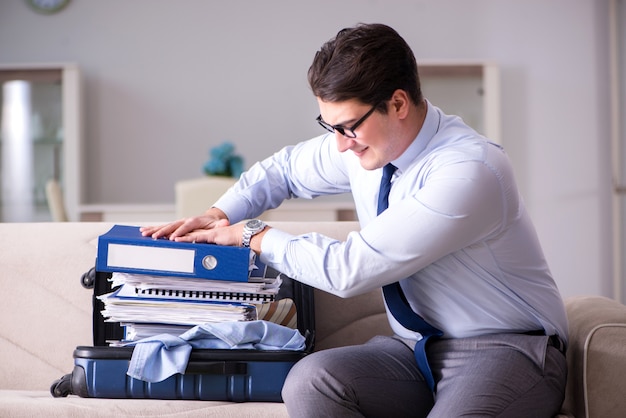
223,161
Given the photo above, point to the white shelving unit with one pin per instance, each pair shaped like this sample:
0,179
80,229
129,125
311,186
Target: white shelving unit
56,150
617,66
470,90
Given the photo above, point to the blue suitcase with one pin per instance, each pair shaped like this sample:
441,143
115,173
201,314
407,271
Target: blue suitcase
220,375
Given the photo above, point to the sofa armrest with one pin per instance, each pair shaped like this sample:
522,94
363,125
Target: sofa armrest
596,357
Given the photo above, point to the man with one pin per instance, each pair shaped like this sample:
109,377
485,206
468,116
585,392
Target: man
455,235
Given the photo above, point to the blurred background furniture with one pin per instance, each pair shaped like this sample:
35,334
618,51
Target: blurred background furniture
56,205
195,196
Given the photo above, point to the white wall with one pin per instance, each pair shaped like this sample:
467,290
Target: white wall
165,80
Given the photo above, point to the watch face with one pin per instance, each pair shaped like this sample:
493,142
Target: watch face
254,224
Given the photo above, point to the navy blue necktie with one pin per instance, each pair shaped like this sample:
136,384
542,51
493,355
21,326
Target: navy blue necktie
396,301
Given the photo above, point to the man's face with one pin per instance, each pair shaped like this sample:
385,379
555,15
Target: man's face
374,144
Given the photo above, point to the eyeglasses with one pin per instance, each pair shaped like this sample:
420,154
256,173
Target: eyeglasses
347,132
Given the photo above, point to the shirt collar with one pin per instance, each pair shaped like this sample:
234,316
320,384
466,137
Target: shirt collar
425,135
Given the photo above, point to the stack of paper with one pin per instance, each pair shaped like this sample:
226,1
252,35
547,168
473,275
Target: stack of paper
161,285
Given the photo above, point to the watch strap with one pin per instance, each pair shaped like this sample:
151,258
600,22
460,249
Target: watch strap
250,229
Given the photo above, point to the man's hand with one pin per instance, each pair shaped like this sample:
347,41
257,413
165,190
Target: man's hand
213,218
213,227
219,234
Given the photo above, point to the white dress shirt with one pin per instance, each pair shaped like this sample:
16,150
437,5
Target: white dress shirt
456,233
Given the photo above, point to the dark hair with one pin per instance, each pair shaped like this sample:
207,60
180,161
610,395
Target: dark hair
367,62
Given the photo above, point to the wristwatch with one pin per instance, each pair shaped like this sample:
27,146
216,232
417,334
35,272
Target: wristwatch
250,229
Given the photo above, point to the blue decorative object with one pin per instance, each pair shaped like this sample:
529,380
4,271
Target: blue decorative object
223,161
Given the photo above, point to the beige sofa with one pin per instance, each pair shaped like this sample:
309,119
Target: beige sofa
46,313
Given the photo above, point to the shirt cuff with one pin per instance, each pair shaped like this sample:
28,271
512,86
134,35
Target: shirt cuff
274,245
233,206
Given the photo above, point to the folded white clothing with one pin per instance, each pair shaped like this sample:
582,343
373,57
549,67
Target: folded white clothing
156,358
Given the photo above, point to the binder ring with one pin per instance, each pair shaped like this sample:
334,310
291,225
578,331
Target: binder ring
209,262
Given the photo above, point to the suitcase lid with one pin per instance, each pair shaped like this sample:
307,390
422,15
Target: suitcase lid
204,355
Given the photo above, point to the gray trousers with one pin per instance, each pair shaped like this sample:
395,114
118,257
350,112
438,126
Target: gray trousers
503,375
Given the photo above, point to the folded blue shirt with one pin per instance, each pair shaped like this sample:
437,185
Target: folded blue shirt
156,358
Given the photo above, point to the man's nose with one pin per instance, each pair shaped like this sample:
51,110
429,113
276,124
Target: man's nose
343,142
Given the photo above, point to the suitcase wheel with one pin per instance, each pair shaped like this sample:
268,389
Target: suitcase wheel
62,387
88,279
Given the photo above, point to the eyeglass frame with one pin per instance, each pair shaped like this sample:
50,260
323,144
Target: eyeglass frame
347,132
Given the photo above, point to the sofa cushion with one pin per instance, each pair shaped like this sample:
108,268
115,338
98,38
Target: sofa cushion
27,404
45,311
341,322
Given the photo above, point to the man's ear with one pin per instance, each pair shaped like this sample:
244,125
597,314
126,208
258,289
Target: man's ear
399,103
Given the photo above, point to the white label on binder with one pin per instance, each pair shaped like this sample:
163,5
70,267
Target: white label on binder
151,258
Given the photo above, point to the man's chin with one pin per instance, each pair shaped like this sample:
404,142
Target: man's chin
369,165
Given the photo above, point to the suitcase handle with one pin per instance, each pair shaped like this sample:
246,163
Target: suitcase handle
217,367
